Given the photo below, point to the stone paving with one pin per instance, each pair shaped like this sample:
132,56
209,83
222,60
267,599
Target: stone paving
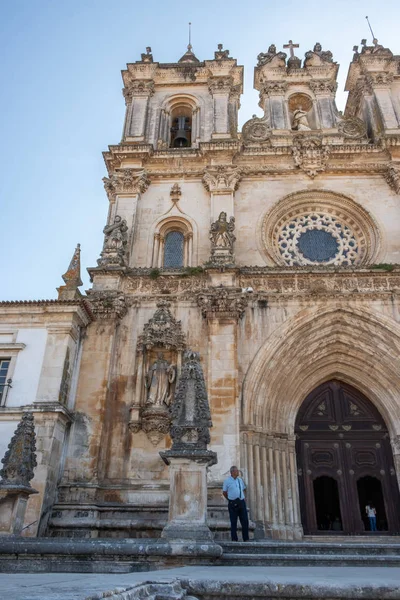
315,582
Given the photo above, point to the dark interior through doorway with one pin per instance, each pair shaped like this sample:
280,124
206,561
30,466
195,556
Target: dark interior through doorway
370,491
327,504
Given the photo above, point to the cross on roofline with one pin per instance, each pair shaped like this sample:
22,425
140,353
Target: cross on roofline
291,46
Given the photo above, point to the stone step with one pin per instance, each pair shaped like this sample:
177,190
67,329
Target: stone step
261,548
308,560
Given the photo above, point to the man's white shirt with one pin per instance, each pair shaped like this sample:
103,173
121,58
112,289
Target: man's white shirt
234,488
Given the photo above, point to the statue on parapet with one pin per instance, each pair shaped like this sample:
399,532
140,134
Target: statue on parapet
265,57
324,55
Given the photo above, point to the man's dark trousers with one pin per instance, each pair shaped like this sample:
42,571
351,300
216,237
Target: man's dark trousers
238,508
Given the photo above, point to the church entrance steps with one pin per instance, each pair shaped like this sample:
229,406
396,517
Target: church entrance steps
310,553
353,539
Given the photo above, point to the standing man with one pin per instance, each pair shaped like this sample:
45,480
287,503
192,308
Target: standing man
233,491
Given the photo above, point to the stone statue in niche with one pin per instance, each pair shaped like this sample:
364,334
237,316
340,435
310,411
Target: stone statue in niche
221,232
158,382
300,120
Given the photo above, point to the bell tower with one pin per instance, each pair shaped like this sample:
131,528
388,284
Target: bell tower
296,96
373,83
180,105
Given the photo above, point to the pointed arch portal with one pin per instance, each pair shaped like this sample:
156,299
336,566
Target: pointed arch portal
346,344
345,462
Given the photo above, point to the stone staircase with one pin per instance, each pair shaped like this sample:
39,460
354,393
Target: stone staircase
347,552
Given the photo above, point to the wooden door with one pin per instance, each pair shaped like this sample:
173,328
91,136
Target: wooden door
344,461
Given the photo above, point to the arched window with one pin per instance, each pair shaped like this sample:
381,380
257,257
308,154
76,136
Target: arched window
173,244
173,249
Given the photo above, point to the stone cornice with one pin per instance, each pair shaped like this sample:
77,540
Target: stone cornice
38,408
48,307
267,281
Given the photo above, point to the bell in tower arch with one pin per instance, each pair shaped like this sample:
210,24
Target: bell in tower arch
181,132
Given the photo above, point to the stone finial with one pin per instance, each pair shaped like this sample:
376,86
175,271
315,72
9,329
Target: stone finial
147,57
294,62
175,192
220,54
20,459
72,278
190,412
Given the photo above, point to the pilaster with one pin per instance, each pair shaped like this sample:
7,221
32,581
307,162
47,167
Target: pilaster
222,181
223,307
94,391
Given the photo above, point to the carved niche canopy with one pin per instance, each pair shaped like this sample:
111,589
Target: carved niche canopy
162,330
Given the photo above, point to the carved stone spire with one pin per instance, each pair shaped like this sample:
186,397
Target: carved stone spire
189,458
20,459
72,278
190,412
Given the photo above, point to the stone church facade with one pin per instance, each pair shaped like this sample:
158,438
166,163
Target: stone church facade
272,252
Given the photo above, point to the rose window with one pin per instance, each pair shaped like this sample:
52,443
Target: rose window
319,227
317,238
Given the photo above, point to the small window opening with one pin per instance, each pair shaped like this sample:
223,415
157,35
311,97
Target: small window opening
173,249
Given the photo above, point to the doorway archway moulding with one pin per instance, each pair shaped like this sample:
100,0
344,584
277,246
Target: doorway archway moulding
350,343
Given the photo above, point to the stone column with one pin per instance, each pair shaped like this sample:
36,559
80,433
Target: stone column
274,501
18,466
189,458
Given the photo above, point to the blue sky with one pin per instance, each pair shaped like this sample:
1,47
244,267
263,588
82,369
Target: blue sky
61,102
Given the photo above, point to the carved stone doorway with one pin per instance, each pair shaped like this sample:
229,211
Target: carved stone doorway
344,461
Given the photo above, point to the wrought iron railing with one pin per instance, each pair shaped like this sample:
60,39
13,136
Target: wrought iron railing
4,387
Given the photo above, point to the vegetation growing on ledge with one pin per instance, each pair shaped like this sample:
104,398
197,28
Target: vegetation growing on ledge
384,266
192,271
155,273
